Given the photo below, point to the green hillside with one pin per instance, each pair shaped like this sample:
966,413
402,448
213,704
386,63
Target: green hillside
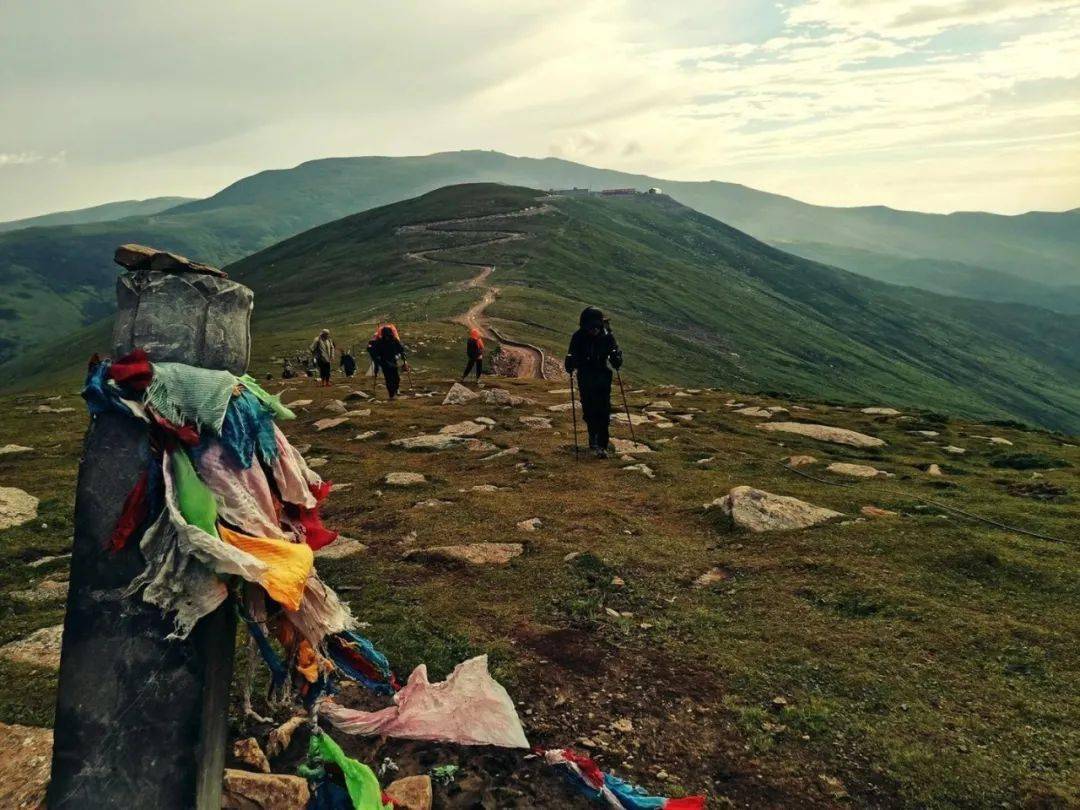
97,213
56,279
693,299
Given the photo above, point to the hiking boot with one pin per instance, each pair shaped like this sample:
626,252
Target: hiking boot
600,452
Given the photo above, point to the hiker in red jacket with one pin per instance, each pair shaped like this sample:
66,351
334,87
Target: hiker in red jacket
474,349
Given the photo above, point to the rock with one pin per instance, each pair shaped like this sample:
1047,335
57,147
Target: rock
48,590
993,440
353,396
484,420
684,417
51,409
535,422
954,450
335,406
12,449
757,413
436,441
635,418
626,446
624,725
318,461
712,577
706,460
877,512
243,790
367,434
644,469
411,793
278,739
530,525
358,414
856,470
760,511
509,451
248,752
775,409
564,406
881,411
459,395
298,403
499,396
25,762
934,470
340,549
659,405
824,433
930,434
467,428
40,648
484,488
800,461
16,507
40,561
404,479
559,391
142,258
470,554
326,424
665,425
431,503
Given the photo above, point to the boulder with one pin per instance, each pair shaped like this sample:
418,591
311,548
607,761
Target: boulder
635,418
25,762
954,450
824,433
40,648
934,470
856,470
335,406
459,395
353,396
466,428
877,512
318,461
340,549
535,422
469,554
247,752
411,793
358,414
626,446
12,449
483,488
881,411
800,461
659,405
644,469
404,479
243,790
530,525
499,396
760,511
280,738
298,403
327,424
484,420
562,406
433,441
16,507
683,417
142,258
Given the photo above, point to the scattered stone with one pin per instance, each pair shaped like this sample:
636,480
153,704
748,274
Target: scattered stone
665,425
644,469
825,433
624,725
484,420
535,422
856,470
800,461
776,409
760,511
335,406
934,470
712,577
573,555
469,554
684,417
278,739
353,396
48,559
431,503
706,460
635,419
930,434
484,488
51,409
318,461
367,434
877,512
243,790
467,428
247,752
299,403
40,648
432,442
755,412
48,590
358,414
530,525
954,450
618,582
500,396
459,395
12,449
411,793
564,406
881,411
630,447
340,549
404,479
25,762
659,405
559,391
993,440
326,424
509,451
16,507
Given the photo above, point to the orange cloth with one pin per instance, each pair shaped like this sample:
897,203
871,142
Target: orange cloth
475,335
288,564
307,662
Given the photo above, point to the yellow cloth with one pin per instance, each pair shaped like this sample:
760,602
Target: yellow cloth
288,564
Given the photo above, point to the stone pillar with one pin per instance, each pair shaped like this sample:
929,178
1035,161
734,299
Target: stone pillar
141,722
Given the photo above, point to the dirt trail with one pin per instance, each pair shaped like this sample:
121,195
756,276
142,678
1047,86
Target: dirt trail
516,359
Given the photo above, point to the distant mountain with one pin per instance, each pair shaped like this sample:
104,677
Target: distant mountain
97,213
55,279
694,301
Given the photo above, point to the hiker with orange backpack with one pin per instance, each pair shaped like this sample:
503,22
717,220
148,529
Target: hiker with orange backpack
474,350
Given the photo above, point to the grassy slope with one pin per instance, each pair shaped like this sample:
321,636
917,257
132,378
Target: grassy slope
98,213
927,661
69,267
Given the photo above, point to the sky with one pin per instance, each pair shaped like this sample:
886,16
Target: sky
933,105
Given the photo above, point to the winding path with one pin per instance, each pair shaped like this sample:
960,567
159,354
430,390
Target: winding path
525,360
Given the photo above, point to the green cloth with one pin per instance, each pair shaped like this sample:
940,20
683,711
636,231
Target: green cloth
271,401
360,780
188,395
196,501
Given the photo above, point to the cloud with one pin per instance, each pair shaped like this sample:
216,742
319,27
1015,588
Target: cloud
28,158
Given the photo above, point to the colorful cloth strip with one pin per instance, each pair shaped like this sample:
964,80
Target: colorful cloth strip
598,786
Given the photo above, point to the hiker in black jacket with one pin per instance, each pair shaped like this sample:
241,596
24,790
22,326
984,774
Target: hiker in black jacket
592,347
385,350
348,363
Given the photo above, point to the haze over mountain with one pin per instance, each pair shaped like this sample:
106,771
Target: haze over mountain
54,279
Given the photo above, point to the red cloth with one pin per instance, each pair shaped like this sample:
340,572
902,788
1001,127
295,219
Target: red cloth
187,434
132,371
315,534
132,515
589,769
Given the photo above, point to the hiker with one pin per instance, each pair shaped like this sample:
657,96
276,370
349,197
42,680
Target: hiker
348,363
592,347
373,356
386,349
322,352
474,350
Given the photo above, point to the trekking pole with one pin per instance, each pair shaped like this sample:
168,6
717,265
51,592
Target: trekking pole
573,408
626,407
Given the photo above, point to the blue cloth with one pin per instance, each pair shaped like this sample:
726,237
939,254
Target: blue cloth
99,395
329,796
355,657
248,429
278,673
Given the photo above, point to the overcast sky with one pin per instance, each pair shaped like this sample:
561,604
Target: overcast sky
934,105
